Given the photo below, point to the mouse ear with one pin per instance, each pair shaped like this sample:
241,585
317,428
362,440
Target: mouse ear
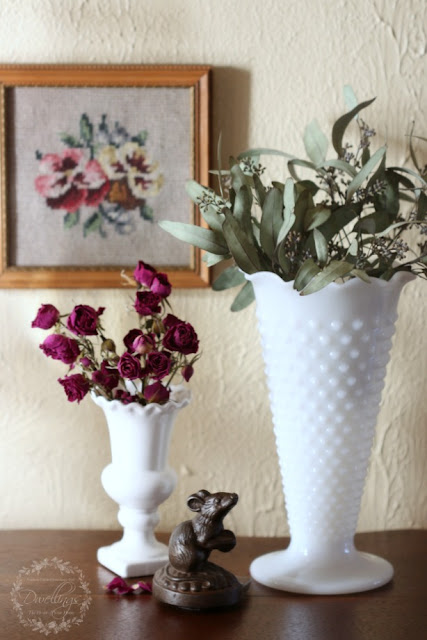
196,500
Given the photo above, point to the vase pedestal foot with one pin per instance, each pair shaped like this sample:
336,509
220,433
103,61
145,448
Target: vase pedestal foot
128,564
349,573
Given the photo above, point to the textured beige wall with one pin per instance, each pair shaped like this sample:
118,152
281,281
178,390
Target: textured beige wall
277,64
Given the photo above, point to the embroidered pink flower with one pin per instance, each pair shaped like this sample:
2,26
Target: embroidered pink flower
68,181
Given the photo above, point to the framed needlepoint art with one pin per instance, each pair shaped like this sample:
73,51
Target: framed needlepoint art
92,158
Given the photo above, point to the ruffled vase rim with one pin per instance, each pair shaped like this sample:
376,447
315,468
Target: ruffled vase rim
400,278
180,397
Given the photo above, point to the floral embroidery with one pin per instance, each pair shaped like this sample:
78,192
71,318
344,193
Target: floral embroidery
105,174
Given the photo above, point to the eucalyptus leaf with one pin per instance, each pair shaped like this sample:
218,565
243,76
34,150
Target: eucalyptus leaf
259,189
243,251
244,298
342,123
341,165
288,212
303,203
242,208
200,237
422,207
281,258
358,180
411,173
238,178
316,217
229,278
315,143
362,275
321,246
211,259
339,219
295,162
262,151
333,271
307,271
271,220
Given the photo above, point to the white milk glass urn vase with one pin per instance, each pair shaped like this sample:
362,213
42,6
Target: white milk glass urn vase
139,479
325,359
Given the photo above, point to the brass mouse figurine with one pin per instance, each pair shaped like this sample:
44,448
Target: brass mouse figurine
190,580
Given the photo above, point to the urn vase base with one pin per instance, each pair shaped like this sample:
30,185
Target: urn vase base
130,565
350,573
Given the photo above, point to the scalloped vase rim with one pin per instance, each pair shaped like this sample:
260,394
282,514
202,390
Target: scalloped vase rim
180,398
400,278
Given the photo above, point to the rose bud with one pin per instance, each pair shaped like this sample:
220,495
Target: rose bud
156,392
108,345
144,343
130,337
187,372
144,273
161,285
47,316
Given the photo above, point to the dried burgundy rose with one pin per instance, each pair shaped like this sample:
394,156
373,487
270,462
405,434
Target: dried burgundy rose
47,316
181,337
147,303
129,367
83,320
60,347
75,386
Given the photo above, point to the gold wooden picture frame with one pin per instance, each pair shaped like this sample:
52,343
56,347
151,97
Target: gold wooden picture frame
91,158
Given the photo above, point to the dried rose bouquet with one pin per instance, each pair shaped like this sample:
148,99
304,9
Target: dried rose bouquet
161,347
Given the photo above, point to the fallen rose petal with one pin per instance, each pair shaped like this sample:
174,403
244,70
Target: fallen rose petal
142,587
119,585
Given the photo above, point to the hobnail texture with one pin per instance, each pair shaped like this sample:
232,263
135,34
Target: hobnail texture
325,359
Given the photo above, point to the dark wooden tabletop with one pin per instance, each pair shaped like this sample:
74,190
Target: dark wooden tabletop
397,611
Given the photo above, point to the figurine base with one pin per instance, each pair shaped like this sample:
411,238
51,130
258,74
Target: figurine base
213,587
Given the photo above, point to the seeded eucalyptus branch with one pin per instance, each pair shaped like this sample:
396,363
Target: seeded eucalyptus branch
345,220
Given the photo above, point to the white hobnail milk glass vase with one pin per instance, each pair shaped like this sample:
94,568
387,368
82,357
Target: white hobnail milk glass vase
325,359
139,479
